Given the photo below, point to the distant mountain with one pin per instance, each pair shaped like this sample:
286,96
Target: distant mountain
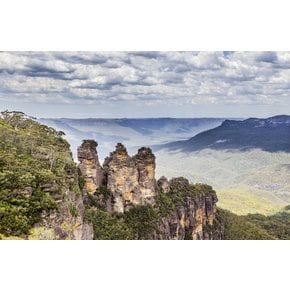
131,132
271,135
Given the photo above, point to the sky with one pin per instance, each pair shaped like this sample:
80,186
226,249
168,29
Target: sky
145,84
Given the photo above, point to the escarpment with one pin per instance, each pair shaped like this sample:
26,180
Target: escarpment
66,221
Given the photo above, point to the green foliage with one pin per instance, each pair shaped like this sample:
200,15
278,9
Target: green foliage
99,198
81,179
143,220
239,228
32,156
18,212
109,227
277,225
179,194
104,191
164,204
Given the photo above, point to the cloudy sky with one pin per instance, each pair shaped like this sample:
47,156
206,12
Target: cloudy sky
145,84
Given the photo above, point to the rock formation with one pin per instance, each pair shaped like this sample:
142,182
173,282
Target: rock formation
145,163
122,179
163,184
192,220
90,167
130,179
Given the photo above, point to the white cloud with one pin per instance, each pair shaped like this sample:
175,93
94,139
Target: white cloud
151,77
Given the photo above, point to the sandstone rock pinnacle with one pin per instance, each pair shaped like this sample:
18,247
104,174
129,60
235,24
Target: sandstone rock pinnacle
131,179
145,162
122,178
90,167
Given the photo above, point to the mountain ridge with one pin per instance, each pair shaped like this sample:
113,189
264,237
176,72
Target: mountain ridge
133,133
271,134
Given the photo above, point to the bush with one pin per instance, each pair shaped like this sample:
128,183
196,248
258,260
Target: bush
108,227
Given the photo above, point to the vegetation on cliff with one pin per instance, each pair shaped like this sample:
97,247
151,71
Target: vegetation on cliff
34,163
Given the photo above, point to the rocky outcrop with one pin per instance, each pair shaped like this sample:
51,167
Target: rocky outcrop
192,219
145,163
43,199
163,184
122,179
89,166
130,179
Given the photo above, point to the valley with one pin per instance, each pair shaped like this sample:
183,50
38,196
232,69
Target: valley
133,133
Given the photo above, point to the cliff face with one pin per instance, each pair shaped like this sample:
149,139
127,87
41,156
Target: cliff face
193,218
